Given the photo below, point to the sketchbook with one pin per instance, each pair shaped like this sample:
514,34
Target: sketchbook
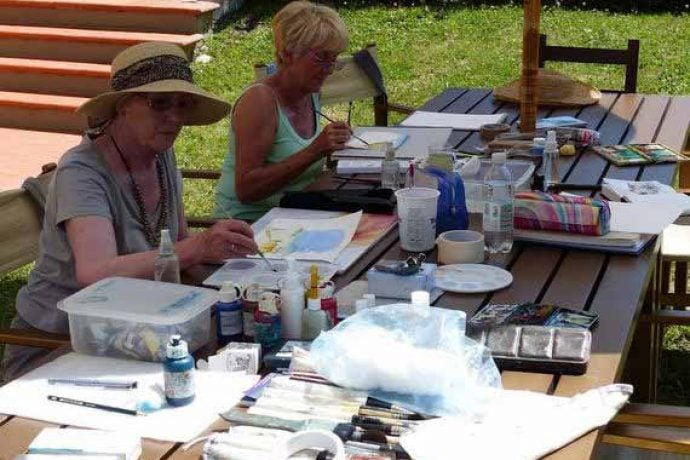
371,229
414,143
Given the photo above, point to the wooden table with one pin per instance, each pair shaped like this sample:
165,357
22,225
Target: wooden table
613,286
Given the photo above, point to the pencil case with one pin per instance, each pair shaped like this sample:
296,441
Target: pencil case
557,213
543,349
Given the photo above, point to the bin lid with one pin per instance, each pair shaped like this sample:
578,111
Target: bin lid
139,300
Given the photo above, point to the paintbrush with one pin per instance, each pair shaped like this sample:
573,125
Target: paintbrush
261,254
351,133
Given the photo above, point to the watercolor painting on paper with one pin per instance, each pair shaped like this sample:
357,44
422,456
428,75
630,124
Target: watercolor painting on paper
308,239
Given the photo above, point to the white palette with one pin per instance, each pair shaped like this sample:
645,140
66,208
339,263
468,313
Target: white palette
472,278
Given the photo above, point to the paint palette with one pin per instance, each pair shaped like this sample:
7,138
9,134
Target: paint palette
244,271
472,278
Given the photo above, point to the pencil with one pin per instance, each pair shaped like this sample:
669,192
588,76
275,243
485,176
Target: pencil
351,133
90,405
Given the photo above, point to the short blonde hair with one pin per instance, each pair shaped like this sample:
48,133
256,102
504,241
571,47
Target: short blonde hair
301,25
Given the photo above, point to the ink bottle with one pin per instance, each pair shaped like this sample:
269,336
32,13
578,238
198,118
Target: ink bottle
315,319
178,372
229,314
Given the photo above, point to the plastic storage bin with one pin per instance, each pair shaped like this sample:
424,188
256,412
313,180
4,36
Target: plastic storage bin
521,172
132,318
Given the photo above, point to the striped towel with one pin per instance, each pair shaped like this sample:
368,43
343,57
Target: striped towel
556,213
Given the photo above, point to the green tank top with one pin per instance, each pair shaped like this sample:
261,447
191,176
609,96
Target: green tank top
286,143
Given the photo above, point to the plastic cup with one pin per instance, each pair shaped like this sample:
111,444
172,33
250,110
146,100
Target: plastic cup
417,218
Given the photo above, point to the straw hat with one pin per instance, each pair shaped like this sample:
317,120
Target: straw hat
154,67
553,89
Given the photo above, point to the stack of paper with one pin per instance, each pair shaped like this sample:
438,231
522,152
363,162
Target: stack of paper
460,121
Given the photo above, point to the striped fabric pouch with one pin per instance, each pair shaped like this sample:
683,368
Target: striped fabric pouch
556,213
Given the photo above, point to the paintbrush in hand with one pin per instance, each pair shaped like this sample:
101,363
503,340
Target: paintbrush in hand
351,133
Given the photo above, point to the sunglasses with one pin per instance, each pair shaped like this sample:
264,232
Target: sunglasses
161,102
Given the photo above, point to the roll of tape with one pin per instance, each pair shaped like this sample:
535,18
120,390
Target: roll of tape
460,247
489,131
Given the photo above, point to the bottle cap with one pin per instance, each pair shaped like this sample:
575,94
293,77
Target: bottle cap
361,304
498,157
228,292
166,245
420,299
176,347
313,303
371,299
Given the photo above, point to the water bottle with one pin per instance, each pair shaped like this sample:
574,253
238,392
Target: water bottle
551,175
390,169
498,206
167,267
178,372
292,302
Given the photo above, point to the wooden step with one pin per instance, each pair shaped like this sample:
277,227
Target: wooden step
23,152
79,45
53,77
166,16
42,112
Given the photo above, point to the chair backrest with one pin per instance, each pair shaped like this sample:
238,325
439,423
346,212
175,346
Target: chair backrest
20,227
347,83
628,57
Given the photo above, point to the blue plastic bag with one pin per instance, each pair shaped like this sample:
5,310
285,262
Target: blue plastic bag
451,211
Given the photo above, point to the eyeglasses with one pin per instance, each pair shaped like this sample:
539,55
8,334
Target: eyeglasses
325,60
162,102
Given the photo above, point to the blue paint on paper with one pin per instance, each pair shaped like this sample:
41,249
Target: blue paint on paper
317,240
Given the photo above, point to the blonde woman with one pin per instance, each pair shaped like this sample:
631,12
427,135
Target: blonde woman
276,141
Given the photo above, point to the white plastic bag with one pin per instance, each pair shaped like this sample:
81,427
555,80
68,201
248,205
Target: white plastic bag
417,356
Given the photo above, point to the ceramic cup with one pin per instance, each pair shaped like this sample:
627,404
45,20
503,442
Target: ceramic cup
460,247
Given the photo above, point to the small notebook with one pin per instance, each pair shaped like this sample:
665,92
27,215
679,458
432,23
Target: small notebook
560,122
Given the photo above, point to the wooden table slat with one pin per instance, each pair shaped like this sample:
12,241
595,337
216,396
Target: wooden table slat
438,103
575,279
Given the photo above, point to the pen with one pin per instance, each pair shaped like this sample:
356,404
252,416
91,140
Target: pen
90,405
351,133
109,384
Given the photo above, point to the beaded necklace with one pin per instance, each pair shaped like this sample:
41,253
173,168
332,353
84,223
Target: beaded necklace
152,235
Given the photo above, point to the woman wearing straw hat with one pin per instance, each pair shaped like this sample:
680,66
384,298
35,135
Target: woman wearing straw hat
113,194
276,141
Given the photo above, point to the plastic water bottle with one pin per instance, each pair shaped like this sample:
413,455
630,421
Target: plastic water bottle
292,303
167,267
390,169
498,206
178,373
229,314
551,174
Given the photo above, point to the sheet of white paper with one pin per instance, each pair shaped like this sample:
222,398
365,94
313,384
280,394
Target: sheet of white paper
27,397
416,144
308,239
461,121
649,218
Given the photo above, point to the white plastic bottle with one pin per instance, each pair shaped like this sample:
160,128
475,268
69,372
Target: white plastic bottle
167,267
551,173
390,169
292,303
498,206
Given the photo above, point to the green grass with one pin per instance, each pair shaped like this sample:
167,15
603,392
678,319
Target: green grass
422,52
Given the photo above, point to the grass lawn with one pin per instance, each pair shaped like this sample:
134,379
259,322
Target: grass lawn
423,52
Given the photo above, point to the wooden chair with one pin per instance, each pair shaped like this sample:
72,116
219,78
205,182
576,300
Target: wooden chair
347,84
21,218
651,426
628,57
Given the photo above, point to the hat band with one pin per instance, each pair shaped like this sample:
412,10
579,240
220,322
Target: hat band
150,70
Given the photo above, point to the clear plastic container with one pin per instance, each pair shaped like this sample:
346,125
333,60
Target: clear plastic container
132,318
521,172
